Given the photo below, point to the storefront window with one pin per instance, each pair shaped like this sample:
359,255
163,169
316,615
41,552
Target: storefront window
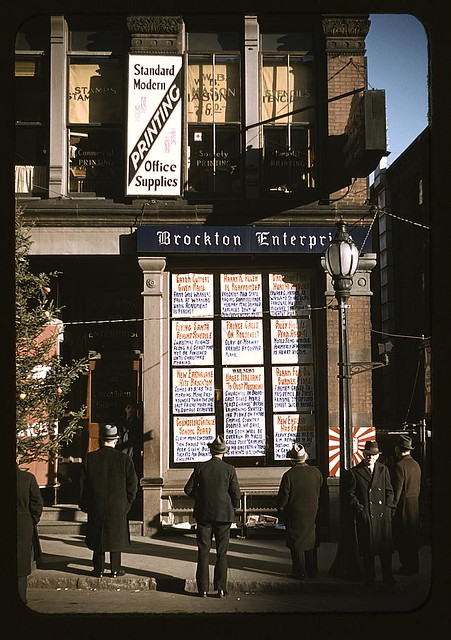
213,112
287,92
238,371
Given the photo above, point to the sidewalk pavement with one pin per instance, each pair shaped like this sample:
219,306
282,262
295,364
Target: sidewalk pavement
167,562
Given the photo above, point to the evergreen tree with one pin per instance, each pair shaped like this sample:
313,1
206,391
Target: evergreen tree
43,381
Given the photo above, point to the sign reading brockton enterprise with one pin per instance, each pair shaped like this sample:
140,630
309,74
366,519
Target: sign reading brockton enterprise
200,239
154,132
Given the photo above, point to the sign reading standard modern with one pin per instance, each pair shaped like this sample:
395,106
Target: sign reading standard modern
154,128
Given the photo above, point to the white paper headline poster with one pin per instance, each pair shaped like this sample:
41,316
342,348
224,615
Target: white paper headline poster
154,127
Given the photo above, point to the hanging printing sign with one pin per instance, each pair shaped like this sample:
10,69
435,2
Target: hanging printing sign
154,127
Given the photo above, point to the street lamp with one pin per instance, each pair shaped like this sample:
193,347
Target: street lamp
341,259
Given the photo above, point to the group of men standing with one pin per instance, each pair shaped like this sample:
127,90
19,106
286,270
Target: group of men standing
385,507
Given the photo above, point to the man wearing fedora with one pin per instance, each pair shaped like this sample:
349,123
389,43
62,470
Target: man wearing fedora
371,499
214,487
406,480
108,486
297,504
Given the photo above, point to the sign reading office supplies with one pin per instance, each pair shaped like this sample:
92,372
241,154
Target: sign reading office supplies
154,135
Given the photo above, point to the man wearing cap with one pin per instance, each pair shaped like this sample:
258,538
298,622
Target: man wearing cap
214,487
108,486
371,499
406,480
297,504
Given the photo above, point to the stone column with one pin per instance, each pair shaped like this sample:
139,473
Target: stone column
58,159
154,391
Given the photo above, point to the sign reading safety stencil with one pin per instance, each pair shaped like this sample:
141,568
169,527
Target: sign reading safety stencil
154,136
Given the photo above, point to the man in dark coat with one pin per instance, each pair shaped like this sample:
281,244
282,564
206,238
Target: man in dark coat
216,493
406,480
108,486
371,499
29,510
297,504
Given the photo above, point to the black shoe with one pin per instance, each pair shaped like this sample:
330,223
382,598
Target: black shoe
202,594
222,593
116,574
97,574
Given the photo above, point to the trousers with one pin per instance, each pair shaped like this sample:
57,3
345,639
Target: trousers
204,535
98,560
304,561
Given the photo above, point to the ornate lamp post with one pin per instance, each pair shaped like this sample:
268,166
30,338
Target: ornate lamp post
341,258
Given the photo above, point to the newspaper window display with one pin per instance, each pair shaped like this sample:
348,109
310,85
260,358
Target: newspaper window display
291,340
241,295
191,437
244,411
242,341
290,428
289,293
192,295
293,388
192,342
193,391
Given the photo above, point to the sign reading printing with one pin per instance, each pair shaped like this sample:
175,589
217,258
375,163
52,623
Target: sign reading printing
154,131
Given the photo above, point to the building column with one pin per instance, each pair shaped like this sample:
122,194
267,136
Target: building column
58,133
154,391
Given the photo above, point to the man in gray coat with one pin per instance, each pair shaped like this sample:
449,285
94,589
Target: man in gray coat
371,500
297,504
406,480
216,493
108,486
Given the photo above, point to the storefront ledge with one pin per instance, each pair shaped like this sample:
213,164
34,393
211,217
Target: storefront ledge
125,583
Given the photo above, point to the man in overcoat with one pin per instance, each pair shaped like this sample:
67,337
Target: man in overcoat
297,504
406,480
29,511
108,486
371,500
214,487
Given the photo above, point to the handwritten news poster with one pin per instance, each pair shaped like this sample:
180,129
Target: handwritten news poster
191,437
244,411
193,391
242,342
241,295
292,388
290,428
291,340
192,342
289,293
192,295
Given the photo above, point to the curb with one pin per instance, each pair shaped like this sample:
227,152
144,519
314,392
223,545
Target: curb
88,583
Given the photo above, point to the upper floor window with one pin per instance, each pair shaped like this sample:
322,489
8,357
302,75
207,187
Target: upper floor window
95,123
213,108
32,106
287,92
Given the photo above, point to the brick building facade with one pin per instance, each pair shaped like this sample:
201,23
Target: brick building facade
213,278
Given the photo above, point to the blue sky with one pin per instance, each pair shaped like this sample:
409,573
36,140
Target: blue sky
397,54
